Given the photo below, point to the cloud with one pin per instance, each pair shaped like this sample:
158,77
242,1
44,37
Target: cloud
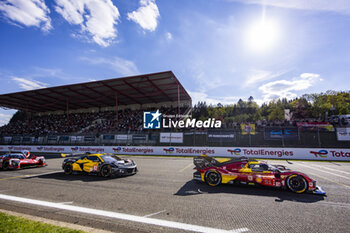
340,6
29,84
97,18
27,12
256,76
202,96
169,36
4,119
146,16
287,88
120,65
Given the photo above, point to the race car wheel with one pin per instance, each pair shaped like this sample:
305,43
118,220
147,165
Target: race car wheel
213,178
68,168
106,171
297,183
5,165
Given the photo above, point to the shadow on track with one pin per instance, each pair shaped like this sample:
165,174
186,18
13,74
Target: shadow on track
193,187
76,177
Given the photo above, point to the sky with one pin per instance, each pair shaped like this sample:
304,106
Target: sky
220,50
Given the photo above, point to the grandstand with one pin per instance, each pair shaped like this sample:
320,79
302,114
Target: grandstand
109,112
106,106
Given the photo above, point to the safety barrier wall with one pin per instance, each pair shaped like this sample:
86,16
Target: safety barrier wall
329,154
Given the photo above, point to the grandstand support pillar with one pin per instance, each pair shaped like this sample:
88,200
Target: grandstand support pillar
116,107
67,109
178,99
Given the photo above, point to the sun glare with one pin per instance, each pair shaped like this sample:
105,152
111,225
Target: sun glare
262,35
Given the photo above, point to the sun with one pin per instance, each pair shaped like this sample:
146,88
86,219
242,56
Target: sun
262,35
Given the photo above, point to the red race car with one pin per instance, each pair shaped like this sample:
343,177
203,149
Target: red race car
21,160
252,172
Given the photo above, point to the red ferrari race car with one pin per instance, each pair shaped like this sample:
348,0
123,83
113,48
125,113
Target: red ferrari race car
252,172
11,161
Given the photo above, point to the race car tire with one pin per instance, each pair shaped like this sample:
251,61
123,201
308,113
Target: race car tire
68,168
106,171
213,178
296,183
5,165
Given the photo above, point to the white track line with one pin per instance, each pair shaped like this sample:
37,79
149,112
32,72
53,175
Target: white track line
149,215
128,217
41,174
324,171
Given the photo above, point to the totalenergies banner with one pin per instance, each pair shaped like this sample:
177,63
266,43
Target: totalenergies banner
250,152
248,129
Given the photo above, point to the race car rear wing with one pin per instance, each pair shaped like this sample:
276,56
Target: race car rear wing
205,161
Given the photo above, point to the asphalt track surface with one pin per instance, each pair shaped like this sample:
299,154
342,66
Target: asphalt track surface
163,189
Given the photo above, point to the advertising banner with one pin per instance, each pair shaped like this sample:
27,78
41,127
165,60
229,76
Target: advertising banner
221,137
139,137
315,126
122,137
171,138
272,133
330,154
343,134
89,138
108,137
248,129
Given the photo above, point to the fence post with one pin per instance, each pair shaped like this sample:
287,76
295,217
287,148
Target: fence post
318,137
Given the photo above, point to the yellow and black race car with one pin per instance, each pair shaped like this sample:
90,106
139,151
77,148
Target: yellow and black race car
104,165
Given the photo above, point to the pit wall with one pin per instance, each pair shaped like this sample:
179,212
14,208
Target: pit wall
327,154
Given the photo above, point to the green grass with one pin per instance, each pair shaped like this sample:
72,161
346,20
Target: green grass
9,223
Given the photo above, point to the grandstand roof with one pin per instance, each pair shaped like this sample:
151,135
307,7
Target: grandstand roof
140,89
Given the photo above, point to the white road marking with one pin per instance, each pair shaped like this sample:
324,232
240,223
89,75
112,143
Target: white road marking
128,217
41,174
331,169
66,203
149,215
28,176
324,171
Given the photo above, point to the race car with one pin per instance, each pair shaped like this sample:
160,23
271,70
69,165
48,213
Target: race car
12,161
104,165
252,172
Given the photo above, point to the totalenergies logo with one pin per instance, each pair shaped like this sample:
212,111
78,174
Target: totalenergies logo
74,149
320,153
117,150
236,151
40,148
169,150
10,148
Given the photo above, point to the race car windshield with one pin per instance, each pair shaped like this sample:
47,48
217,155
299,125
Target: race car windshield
16,156
110,158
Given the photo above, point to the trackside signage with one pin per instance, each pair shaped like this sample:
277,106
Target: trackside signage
157,120
250,152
